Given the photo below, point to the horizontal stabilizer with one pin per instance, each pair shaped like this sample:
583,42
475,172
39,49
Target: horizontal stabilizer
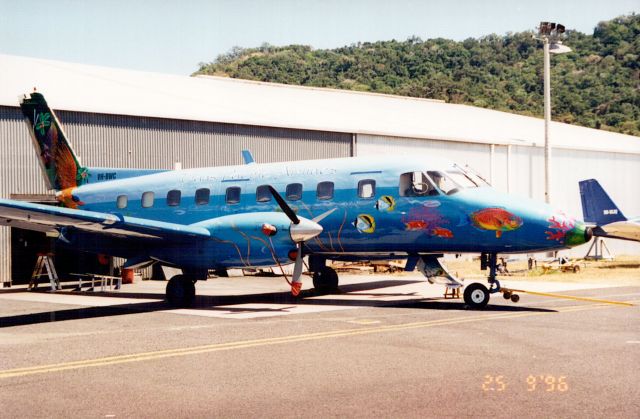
597,206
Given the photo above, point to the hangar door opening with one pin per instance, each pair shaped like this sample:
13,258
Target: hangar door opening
27,245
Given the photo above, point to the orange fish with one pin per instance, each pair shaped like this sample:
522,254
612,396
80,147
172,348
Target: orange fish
496,219
415,225
442,232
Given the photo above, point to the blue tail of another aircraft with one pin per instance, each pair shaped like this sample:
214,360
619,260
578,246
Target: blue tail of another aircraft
597,206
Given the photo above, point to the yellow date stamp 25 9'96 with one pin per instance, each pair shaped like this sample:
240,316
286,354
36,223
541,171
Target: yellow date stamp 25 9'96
546,383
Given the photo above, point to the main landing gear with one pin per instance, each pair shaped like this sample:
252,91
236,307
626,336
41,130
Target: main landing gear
477,296
325,281
325,278
181,289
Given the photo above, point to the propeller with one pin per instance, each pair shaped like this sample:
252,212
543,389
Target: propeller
284,206
300,231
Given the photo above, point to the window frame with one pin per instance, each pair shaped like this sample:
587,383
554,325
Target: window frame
287,194
362,183
198,199
226,195
268,194
171,199
126,201
143,199
323,197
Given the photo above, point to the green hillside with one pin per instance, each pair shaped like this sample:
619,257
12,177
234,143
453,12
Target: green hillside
597,85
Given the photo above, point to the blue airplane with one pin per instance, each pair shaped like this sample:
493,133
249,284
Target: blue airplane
599,209
363,208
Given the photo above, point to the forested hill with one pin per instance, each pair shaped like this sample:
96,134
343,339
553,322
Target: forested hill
597,85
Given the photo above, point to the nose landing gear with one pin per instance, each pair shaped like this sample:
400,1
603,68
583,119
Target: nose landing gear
477,296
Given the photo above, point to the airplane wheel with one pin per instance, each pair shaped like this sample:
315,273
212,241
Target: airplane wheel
506,295
515,298
476,295
181,291
325,281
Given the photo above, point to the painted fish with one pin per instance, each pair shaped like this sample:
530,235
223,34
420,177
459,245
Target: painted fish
445,233
365,223
496,219
415,225
68,199
386,203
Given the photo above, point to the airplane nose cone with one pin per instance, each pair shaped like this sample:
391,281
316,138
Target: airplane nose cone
578,235
305,230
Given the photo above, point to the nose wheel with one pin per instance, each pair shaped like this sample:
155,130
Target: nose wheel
476,296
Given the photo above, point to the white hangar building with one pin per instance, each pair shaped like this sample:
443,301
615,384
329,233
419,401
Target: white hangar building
126,118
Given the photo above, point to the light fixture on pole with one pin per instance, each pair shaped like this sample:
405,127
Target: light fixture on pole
550,34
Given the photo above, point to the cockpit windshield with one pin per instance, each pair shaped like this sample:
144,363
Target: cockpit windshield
435,182
452,180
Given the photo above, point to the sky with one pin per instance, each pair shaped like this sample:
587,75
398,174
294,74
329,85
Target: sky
167,36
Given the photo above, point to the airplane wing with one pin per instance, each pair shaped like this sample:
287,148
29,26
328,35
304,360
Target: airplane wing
46,218
624,230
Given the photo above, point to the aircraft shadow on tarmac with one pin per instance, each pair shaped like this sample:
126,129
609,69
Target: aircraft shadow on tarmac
222,303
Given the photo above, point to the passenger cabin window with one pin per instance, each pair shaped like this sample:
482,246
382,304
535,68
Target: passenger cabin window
294,191
263,194
173,198
233,195
202,196
147,199
324,190
122,201
367,188
416,184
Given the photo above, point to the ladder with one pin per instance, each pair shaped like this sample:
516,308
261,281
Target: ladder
44,267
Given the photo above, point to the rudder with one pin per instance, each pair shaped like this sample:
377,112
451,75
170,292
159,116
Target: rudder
60,165
597,206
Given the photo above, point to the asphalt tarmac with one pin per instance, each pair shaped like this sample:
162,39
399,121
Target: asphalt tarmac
383,347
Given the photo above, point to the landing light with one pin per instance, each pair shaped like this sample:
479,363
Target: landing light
269,230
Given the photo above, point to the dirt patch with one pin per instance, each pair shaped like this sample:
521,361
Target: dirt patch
624,270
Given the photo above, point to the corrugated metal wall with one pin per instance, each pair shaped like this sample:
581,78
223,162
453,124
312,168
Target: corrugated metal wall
129,141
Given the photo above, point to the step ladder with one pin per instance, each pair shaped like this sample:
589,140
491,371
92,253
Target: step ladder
44,267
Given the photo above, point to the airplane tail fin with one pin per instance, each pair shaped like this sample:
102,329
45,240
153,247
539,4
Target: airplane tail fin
597,206
60,165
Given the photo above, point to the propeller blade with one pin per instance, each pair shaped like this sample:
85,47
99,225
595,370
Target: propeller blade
297,268
323,215
283,206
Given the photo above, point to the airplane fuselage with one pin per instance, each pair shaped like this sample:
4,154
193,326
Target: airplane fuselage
378,208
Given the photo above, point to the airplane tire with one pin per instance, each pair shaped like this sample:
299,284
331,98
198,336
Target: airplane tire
476,296
181,291
325,281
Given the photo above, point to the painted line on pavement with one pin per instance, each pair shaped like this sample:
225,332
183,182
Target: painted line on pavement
147,356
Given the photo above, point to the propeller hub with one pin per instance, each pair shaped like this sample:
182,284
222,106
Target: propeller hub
304,230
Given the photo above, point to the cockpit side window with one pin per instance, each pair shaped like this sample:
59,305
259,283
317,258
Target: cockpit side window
444,182
416,184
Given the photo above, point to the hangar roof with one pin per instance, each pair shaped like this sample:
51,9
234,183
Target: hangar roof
88,88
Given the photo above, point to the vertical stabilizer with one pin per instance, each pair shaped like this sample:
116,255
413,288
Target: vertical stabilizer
59,163
597,206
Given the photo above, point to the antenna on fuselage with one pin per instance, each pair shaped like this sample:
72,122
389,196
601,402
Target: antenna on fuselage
247,157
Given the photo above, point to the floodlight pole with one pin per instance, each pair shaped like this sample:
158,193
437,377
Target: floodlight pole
547,120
